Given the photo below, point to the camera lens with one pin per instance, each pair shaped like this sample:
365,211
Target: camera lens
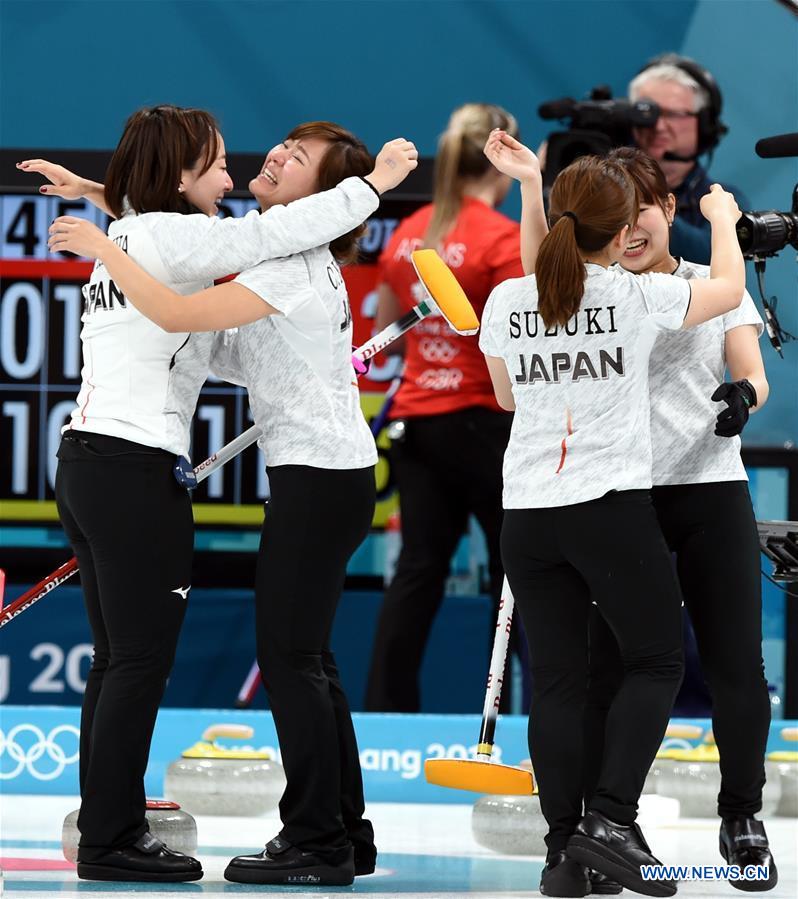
765,233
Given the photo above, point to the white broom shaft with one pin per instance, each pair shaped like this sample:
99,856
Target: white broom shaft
226,453
393,332
498,661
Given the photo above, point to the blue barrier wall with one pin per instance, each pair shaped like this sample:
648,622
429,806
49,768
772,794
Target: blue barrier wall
39,748
392,67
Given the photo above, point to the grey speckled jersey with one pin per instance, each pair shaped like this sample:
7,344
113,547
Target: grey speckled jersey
685,369
297,365
582,420
140,383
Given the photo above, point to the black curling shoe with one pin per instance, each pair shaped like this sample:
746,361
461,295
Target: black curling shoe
563,877
617,850
743,842
280,862
148,859
365,860
601,885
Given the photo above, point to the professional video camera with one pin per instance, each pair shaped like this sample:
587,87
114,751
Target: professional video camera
595,126
764,234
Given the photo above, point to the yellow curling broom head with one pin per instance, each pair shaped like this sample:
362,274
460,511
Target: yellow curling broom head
445,291
479,777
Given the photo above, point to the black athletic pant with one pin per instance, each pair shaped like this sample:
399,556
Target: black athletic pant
130,525
712,530
447,467
315,520
558,560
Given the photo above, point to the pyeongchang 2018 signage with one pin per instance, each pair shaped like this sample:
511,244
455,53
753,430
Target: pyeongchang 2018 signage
39,747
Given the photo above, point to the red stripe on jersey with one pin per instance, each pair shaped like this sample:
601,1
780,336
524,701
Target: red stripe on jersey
569,426
91,387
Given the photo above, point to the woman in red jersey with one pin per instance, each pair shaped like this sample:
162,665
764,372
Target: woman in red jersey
447,457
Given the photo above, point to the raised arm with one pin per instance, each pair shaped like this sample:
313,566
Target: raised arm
512,158
66,184
226,306
723,290
200,248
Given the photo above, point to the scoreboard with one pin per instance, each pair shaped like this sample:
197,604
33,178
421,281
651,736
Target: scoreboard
40,364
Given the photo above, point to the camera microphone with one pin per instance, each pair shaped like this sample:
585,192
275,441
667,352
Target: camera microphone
778,147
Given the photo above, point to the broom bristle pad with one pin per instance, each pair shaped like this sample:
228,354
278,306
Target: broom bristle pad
445,290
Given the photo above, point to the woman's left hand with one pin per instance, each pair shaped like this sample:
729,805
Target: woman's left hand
76,235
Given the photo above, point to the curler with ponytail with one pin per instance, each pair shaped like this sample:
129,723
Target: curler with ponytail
460,157
591,201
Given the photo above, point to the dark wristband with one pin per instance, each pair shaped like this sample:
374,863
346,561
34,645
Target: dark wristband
379,195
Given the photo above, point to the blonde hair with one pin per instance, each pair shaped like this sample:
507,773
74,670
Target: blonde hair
459,158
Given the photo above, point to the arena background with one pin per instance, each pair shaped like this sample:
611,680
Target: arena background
70,73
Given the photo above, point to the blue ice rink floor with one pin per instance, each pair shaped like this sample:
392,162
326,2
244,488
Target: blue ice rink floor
425,851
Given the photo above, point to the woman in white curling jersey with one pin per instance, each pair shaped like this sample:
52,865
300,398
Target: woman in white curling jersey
700,495
294,356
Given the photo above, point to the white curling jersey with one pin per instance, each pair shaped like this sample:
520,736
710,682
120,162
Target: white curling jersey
141,383
297,365
686,368
582,421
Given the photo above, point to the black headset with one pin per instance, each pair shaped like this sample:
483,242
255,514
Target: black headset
710,128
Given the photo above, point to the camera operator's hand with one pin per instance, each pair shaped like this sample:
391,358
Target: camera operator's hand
740,396
719,204
511,157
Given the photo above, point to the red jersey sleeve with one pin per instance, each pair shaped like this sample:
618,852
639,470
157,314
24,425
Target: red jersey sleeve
505,256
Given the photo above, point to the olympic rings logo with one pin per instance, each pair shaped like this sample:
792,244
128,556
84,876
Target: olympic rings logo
28,752
435,349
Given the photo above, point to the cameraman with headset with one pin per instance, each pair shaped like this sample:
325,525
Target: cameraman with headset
688,126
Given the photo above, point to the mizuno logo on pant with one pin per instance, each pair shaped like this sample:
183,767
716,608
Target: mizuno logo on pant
182,591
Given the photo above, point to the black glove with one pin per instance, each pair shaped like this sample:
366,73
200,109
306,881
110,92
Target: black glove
740,397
